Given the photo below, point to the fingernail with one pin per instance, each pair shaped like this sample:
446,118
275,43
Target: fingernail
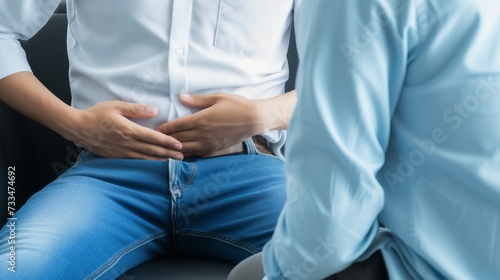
179,156
152,110
185,96
177,146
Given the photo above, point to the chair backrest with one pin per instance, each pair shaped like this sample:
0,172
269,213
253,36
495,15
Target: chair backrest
37,153
293,62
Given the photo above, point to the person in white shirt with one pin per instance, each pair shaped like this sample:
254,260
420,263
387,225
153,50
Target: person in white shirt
180,107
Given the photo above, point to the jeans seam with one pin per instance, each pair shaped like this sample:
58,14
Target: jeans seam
222,238
84,156
108,265
190,180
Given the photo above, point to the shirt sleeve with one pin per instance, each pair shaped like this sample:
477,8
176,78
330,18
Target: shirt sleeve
353,61
20,20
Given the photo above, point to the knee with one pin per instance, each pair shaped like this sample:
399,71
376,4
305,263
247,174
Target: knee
249,269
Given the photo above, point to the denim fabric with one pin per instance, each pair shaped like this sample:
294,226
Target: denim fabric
105,216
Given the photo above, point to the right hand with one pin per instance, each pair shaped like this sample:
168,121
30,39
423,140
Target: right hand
105,130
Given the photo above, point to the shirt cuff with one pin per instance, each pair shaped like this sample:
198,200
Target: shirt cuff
12,58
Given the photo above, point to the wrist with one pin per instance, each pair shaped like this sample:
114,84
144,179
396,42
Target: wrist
278,111
67,122
267,116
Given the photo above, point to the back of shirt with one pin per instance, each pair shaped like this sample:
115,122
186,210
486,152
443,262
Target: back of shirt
441,179
397,121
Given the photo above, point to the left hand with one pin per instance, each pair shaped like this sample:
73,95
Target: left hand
224,120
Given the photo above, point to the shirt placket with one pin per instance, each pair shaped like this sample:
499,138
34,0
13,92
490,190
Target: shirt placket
178,51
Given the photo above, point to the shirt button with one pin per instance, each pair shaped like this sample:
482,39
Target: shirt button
179,51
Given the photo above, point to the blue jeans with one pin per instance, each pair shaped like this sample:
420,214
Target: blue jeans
104,216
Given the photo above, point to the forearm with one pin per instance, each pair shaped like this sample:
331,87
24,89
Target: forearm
278,110
105,128
26,94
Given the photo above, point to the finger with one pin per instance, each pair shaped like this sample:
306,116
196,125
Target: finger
135,111
134,154
192,135
141,156
198,148
177,125
150,136
149,151
199,101
194,148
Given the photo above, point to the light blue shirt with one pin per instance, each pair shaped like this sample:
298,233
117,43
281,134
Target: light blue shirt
150,51
398,121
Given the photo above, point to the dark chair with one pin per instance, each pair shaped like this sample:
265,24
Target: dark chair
40,155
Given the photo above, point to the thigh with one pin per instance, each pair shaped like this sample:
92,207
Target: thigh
90,221
229,206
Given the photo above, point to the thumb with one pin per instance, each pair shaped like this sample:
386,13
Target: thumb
198,101
137,111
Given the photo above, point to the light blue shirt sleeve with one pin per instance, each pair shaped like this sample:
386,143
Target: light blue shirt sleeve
394,123
20,20
340,131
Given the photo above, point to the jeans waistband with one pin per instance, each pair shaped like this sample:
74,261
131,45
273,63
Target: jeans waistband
251,146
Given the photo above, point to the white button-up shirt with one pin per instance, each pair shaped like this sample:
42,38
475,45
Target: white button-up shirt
149,52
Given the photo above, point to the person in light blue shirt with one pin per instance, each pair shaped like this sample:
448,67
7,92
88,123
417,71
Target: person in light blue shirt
395,142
